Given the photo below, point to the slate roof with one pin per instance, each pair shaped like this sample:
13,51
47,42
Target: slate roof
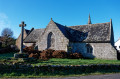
27,31
33,36
90,33
87,33
81,33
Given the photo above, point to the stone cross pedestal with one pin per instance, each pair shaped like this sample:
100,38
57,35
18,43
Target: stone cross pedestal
22,25
21,54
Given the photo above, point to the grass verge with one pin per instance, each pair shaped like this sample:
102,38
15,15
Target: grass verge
56,61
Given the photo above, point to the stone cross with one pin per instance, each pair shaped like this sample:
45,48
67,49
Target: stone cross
22,25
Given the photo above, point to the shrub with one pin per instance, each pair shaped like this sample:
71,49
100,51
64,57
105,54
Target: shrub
30,50
75,55
36,55
7,49
43,56
46,54
50,53
50,50
59,54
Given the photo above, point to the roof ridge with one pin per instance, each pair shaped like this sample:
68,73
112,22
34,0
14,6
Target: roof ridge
88,24
39,29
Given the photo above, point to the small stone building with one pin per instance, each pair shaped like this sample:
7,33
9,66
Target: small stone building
25,33
91,40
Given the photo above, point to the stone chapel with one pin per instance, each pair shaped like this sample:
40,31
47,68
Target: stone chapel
91,40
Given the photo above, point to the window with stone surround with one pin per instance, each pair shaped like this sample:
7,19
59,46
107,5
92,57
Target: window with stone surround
50,41
89,48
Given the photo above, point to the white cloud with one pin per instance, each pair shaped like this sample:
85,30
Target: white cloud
3,15
4,21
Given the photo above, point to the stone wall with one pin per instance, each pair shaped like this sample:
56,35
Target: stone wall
60,41
100,50
51,70
19,40
80,48
77,47
104,51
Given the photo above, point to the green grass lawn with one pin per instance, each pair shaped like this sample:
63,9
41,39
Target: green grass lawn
56,61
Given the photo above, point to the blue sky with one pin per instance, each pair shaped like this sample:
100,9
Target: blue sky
37,13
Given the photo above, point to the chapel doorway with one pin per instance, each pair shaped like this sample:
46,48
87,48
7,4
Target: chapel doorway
50,41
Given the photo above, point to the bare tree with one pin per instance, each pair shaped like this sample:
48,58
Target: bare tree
7,35
7,32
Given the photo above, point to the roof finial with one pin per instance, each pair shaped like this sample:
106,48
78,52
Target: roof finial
89,19
110,20
51,18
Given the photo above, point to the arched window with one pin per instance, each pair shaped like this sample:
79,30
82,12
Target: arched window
89,48
50,41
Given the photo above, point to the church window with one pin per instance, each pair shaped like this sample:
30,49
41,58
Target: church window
89,48
50,41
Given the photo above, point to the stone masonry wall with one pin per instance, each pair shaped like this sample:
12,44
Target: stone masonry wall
104,51
79,48
19,40
60,41
100,50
